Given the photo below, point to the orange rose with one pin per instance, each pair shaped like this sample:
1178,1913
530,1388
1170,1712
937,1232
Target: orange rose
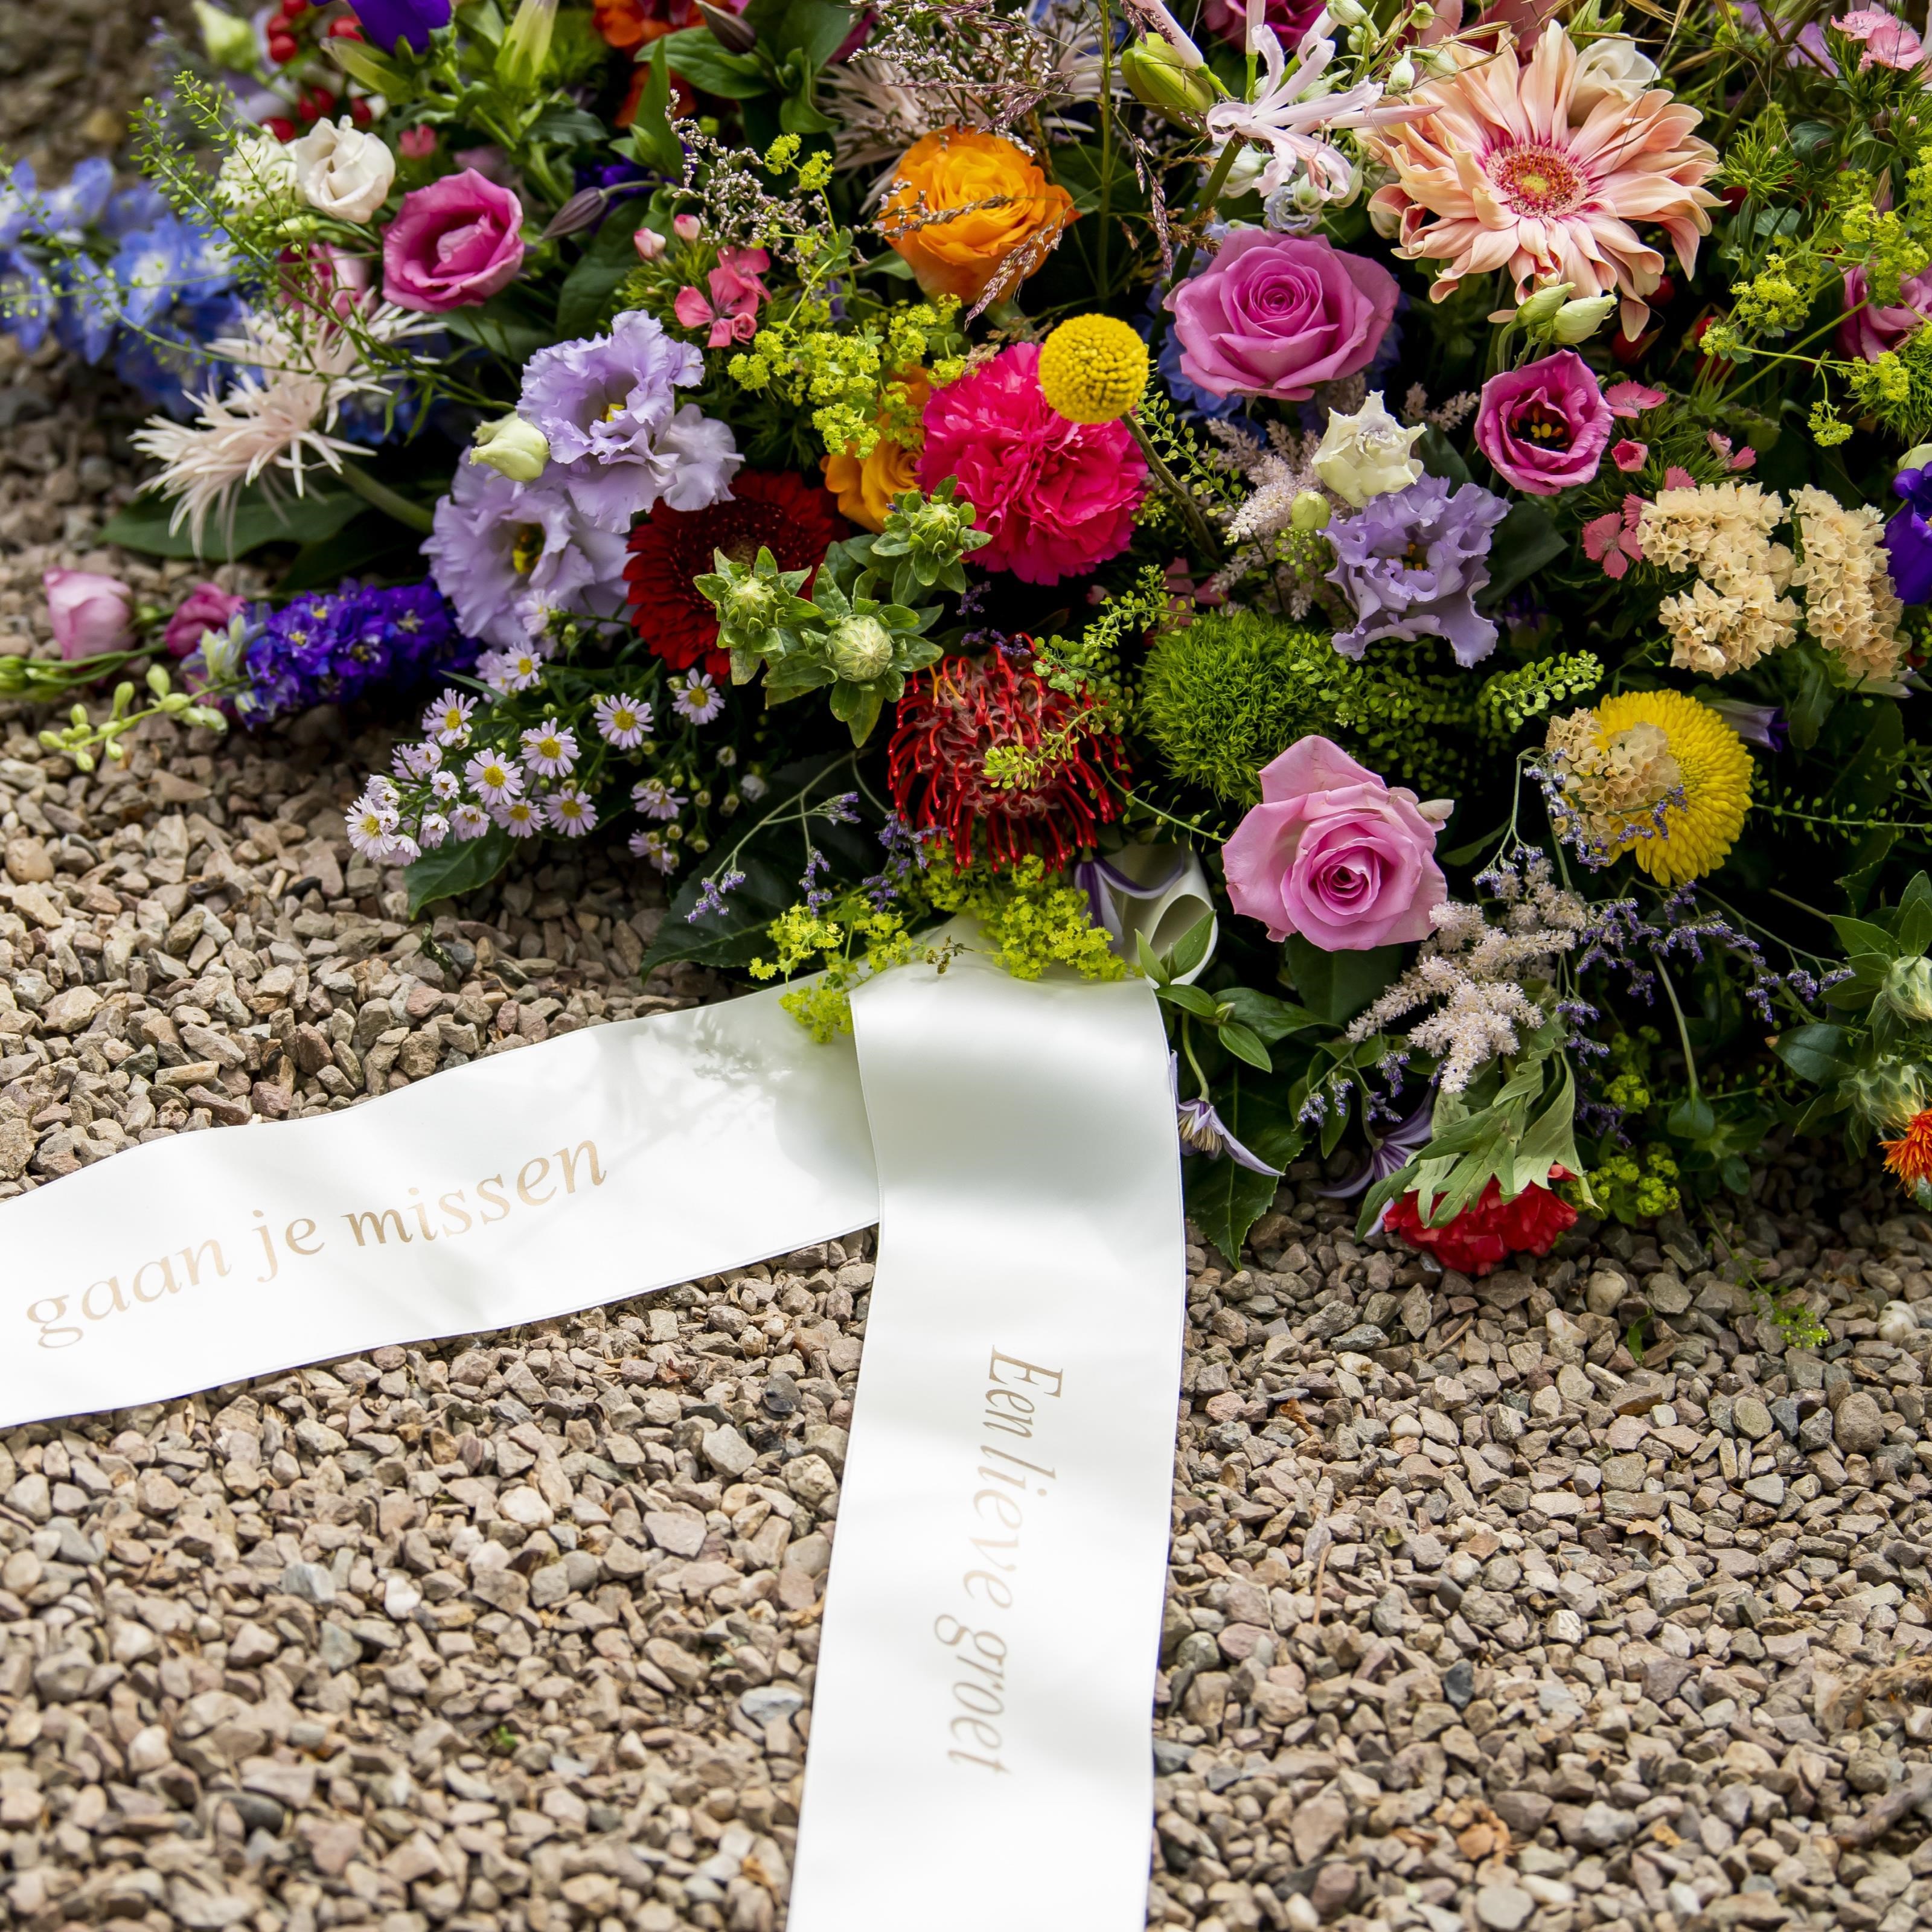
865,486
960,168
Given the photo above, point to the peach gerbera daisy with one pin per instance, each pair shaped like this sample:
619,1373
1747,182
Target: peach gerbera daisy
1513,165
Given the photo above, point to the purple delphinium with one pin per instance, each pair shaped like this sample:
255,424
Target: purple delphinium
1411,563
334,646
385,22
1908,537
608,406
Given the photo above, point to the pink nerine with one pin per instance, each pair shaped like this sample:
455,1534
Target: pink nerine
1334,854
452,244
1272,315
1057,497
91,613
1544,426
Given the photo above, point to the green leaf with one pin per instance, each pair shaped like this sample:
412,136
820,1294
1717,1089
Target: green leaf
1915,917
1439,456
653,140
694,55
1336,986
143,524
456,867
1861,935
1078,170
1191,948
1190,999
1813,1053
816,29
1735,1171
502,327
561,125
1526,540
1812,703
1226,1199
1267,1018
371,545
1243,1045
1692,1119
595,276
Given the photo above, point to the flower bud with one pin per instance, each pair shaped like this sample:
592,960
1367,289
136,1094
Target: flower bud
230,42
861,650
512,447
736,36
1889,1092
649,243
1310,511
1908,989
1158,77
526,47
1541,308
1402,76
1577,321
1422,14
1916,457
687,227
1347,13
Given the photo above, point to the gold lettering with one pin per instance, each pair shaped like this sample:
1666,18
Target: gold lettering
1004,1507
192,1256
526,1187
295,1239
169,1285
44,1314
1029,1372
112,1285
451,1203
491,1190
268,1250
566,1158
377,1222
994,1591
422,1216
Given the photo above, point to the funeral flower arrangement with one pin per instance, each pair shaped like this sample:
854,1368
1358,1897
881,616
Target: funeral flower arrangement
1458,471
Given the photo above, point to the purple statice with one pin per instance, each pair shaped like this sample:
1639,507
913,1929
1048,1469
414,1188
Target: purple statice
334,647
711,894
905,856
1412,562
619,444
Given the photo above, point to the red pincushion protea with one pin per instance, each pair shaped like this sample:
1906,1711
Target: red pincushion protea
952,716
1489,1230
774,510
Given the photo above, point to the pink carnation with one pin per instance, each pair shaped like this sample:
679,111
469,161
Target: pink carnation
1057,497
1332,853
1888,41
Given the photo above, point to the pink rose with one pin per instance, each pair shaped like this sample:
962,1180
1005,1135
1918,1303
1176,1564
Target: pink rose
1272,315
452,244
1544,426
92,614
1332,853
1868,332
206,608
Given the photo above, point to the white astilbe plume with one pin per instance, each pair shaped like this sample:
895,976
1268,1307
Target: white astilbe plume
297,371
1261,527
1477,972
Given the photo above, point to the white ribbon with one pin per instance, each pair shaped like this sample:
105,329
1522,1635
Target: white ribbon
979,1735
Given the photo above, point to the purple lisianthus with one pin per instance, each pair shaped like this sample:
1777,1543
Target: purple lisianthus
1411,563
1761,724
1203,1131
608,407
1908,537
386,21
505,553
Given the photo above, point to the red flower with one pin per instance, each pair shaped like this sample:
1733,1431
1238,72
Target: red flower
1489,1230
952,716
774,510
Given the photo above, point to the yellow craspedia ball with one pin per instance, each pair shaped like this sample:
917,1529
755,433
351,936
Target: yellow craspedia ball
1093,369
1699,828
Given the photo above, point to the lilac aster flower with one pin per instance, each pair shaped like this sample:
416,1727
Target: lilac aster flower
503,552
1411,562
609,408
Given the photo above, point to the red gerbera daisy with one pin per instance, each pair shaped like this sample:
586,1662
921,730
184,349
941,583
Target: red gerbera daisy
952,716
1489,1230
774,510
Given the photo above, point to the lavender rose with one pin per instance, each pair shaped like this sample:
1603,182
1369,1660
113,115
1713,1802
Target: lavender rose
452,244
1544,426
1411,563
1332,853
1272,315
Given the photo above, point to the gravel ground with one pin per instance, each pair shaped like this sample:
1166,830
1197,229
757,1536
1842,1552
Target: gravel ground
1474,1621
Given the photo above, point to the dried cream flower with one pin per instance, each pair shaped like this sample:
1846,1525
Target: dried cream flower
1849,606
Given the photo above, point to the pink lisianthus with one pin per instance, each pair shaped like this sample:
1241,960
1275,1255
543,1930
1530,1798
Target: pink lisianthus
1868,332
1057,497
1887,41
1336,855
1274,315
206,608
91,613
736,293
1544,426
453,244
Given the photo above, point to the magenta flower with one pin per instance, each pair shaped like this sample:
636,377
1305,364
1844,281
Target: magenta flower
206,608
1056,497
1332,853
1628,456
1272,315
1544,426
1868,331
91,613
1887,41
736,293
1630,400
1616,539
453,244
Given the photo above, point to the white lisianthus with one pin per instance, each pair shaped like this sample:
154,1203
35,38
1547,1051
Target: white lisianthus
1367,454
257,169
341,171
1613,65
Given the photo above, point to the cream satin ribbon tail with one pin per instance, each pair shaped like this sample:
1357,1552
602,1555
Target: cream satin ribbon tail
979,1752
